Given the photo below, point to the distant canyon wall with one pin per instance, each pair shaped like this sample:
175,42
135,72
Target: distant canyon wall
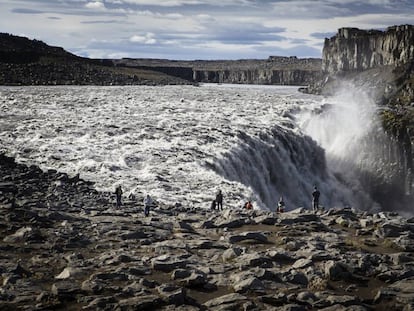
276,70
256,76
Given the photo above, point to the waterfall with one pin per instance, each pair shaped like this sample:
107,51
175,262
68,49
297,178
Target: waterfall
283,162
358,148
340,147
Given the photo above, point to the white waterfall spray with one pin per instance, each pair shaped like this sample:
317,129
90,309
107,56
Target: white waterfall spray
345,127
280,162
335,149
346,120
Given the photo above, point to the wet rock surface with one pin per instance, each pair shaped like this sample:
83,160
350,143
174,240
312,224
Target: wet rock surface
64,246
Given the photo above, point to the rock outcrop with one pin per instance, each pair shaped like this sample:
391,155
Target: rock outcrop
353,49
65,246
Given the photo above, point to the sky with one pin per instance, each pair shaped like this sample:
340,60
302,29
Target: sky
196,29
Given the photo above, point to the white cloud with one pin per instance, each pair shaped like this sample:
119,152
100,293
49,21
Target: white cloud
180,3
147,38
165,3
205,18
95,5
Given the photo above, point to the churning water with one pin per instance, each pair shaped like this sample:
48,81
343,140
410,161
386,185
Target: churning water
183,143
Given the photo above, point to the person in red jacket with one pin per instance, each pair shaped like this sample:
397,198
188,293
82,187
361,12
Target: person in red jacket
248,205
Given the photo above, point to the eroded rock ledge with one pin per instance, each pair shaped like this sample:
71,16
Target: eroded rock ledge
65,246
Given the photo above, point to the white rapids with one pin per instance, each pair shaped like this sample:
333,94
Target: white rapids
178,143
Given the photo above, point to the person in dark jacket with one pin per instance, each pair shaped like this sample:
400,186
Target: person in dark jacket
148,203
213,205
118,193
315,199
219,200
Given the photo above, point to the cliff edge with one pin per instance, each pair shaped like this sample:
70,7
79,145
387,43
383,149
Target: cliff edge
354,49
382,64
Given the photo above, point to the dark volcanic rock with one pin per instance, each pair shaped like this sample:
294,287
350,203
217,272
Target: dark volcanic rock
355,49
32,62
91,256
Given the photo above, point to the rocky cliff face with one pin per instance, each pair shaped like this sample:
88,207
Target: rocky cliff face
355,49
382,63
256,76
276,70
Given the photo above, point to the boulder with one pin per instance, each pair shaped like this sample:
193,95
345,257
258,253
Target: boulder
168,263
250,284
70,272
231,301
231,253
147,302
254,260
256,236
402,291
66,290
172,294
24,234
336,271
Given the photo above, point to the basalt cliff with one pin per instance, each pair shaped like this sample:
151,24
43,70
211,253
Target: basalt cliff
382,64
276,70
354,49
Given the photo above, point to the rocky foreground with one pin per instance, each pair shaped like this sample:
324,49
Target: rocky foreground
64,246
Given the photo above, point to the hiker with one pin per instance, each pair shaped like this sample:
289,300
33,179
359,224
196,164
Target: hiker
315,199
148,202
219,200
248,205
118,193
132,197
280,205
213,205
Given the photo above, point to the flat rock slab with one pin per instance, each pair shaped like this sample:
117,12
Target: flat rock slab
256,236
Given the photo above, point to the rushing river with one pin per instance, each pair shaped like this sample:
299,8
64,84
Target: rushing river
183,143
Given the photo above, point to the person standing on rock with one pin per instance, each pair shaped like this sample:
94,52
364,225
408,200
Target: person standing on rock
315,199
148,202
118,193
281,205
213,205
219,200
